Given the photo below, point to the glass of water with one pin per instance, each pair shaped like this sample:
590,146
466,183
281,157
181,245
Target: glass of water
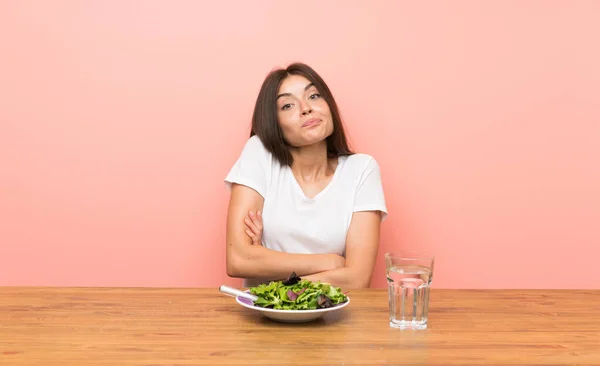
409,278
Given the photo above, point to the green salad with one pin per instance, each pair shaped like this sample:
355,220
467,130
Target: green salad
295,293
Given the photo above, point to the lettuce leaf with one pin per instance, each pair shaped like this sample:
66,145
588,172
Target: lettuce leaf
294,293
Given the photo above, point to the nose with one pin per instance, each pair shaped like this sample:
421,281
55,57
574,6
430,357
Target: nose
306,109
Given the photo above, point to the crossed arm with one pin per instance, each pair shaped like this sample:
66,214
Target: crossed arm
245,259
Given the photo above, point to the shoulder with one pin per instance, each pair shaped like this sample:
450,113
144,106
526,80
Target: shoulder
254,143
252,168
361,162
254,147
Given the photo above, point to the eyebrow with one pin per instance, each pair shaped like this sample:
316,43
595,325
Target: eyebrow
289,94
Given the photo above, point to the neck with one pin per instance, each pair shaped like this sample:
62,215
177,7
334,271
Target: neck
311,162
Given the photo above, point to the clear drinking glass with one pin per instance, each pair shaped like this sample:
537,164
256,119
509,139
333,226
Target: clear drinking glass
409,276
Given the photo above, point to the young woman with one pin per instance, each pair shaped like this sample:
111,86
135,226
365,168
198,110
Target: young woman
301,200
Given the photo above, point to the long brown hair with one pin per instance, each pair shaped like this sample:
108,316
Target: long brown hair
264,118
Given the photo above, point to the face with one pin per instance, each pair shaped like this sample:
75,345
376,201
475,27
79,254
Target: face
303,115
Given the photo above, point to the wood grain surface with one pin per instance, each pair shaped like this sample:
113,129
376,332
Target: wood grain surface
158,326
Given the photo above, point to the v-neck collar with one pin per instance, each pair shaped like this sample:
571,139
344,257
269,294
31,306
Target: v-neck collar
324,190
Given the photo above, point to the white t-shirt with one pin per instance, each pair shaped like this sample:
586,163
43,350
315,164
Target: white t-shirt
294,223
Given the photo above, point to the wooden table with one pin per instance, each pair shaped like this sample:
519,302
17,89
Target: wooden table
113,326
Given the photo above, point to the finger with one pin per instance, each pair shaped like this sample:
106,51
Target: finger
251,225
256,218
255,239
251,235
257,221
252,230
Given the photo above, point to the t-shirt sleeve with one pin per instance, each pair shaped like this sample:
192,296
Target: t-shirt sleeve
252,168
369,195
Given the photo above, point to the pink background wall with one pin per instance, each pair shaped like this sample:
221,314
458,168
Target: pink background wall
120,119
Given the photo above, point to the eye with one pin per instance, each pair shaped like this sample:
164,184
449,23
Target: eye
286,107
314,96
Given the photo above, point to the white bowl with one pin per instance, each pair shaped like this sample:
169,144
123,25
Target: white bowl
290,316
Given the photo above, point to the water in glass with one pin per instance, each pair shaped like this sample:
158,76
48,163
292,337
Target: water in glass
408,289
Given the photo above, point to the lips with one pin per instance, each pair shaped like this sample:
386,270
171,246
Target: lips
311,122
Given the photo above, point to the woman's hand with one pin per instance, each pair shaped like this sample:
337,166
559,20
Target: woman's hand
254,227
